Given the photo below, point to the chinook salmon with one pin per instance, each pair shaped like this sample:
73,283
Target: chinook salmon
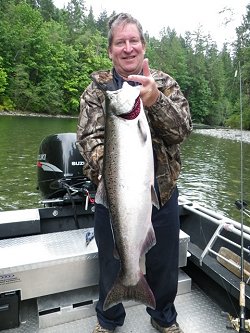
127,190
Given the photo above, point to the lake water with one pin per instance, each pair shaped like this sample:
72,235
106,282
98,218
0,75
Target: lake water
210,172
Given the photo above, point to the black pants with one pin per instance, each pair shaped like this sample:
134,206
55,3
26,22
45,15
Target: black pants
161,264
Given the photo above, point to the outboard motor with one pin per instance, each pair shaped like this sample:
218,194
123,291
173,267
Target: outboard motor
59,170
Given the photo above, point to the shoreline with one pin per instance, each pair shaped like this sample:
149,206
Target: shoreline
220,133
39,115
226,133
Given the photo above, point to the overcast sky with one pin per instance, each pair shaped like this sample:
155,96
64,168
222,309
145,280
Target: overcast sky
181,15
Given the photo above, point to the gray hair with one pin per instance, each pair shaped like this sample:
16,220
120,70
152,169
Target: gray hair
123,18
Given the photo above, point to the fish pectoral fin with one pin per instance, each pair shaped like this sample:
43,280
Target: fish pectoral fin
101,197
149,242
142,130
140,292
154,198
116,254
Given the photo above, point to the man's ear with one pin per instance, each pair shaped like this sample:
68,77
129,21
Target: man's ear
110,54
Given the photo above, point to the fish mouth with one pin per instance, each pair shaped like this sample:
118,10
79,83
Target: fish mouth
134,113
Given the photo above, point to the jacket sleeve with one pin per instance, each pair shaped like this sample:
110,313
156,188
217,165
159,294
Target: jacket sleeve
170,115
90,131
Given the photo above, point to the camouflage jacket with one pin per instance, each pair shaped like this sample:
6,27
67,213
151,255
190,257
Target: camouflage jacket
169,120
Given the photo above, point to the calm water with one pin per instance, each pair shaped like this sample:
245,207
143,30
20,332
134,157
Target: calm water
20,138
210,174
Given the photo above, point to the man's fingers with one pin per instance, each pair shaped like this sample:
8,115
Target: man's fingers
142,79
145,68
138,78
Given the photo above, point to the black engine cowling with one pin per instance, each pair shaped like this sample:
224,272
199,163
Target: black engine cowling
60,166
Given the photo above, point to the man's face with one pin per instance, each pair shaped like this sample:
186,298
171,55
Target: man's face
127,51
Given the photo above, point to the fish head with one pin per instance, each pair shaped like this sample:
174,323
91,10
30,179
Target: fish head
125,102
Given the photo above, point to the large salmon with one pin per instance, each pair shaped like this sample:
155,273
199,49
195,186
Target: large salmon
127,189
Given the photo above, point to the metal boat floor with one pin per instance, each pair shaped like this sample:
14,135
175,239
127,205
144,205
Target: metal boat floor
196,313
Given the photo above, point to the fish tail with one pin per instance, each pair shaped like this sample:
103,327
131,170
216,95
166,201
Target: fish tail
140,292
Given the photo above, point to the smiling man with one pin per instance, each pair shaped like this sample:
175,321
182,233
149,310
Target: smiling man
170,123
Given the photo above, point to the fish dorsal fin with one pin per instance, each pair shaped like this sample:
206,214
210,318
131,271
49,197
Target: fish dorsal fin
142,130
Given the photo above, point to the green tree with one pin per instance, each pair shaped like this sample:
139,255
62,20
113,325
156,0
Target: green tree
242,63
90,20
102,23
47,9
3,77
47,55
200,94
75,17
5,103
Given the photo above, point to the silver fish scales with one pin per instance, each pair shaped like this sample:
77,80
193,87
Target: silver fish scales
127,189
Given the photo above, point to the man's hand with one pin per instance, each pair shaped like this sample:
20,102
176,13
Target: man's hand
149,92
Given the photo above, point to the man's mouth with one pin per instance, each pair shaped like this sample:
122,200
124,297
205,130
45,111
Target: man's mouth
128,58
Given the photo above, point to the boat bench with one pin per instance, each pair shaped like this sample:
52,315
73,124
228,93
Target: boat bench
61,270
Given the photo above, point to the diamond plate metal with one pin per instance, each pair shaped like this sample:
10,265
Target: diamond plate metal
196,313
57,258
18,254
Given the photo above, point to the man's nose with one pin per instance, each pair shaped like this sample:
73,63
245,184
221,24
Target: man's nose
128,46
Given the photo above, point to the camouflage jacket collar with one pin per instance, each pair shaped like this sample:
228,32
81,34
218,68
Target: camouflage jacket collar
110,80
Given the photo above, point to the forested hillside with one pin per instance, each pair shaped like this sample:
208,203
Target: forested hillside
47,55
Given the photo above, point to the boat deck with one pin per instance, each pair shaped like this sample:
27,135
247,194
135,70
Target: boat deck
196,313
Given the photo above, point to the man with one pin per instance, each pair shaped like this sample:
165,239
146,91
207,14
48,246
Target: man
170,123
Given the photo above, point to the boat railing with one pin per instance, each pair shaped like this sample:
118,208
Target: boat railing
210,214
223,223
216,235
